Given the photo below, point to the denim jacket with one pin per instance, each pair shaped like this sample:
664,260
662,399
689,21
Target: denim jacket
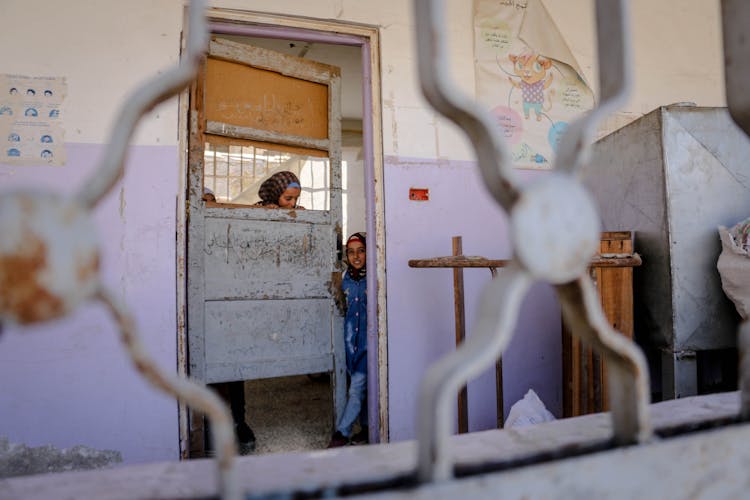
355,324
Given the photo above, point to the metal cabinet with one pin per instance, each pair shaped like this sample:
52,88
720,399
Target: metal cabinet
672,177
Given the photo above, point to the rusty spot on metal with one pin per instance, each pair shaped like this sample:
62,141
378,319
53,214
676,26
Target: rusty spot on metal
334,286
22,293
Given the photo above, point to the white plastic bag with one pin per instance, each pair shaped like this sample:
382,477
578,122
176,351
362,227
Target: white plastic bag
528,411
734,265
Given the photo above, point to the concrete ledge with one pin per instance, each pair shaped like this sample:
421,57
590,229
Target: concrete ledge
328,470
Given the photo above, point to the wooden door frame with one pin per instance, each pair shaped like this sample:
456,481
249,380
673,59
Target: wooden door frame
233,22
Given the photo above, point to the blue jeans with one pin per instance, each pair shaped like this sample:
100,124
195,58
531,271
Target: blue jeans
355,404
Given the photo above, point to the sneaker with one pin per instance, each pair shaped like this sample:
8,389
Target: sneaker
245,437
361,437
338,440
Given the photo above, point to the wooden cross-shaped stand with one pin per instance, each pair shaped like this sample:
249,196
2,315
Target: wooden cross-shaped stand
458,262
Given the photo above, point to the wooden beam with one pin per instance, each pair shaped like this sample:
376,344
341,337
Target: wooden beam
458,307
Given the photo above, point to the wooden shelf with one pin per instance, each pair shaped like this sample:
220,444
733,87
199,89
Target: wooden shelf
584,373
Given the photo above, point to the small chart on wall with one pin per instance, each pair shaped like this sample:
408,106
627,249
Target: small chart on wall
31,131
527,78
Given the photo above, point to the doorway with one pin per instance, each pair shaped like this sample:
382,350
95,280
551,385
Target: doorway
360,152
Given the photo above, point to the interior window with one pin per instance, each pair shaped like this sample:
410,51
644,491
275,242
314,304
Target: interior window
233,172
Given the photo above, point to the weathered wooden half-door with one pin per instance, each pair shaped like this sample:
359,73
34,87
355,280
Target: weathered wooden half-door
261,282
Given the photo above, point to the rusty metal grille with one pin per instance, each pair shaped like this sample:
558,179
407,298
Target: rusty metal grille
554,231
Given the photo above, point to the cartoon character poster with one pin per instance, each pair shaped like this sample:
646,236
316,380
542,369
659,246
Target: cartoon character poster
527,78
31,132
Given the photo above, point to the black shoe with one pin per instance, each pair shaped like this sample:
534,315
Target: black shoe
362,437
338,440
245,437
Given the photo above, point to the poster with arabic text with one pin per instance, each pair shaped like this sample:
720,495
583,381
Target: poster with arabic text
527,78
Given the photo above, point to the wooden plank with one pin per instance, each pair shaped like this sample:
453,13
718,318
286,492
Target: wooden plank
215,210
458,307
586,379
265,136
250,339
615,286
585,375
457,261
194,256
266,260
216,141
567,379
276,62
499,393
249,97
633,260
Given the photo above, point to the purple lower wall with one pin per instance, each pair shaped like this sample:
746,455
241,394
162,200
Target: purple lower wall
420,301
69,382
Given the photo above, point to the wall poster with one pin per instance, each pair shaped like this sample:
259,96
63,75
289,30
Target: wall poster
31,131
527,78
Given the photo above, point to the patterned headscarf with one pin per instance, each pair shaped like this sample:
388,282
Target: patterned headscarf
273,187
356,274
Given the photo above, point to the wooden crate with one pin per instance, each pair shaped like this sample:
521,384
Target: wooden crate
584,373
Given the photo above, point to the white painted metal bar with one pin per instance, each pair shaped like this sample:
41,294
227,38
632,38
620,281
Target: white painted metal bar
194,394
554,229
493,156
498,312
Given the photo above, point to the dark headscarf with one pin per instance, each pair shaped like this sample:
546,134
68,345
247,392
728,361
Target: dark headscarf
273,187
356,274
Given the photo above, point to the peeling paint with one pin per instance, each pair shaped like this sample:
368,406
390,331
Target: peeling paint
22,460
338,295
23,293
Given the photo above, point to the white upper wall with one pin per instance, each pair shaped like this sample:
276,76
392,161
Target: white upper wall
677,56
676,50
103,49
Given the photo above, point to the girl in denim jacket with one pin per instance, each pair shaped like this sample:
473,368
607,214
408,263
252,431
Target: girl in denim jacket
354,286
